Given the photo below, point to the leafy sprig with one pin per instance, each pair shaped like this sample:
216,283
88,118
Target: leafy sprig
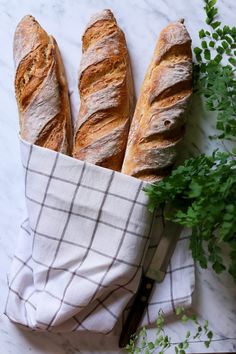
202,192
202,195
213,79
211,12
163,342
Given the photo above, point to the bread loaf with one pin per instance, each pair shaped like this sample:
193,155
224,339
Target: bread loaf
106,94
41,88
160,114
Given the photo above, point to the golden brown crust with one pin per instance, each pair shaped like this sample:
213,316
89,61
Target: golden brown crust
41,88
159,119
106,93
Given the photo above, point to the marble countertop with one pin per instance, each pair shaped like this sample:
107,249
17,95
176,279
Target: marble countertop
215,296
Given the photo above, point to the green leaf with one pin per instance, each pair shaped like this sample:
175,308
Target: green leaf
218,267
197,50
204,44
215,35
232,61
212,3
216,24
195,189
179,310
220,50
188,334
228,51
207,54
218,58
184,318
228,39
226,30
160,320
151,345
157,341
201,34
210,335
224,44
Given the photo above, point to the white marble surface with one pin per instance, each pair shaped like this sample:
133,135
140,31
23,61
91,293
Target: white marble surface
215,297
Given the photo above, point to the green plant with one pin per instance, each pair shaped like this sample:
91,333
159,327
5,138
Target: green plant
202,195
213,79
162,341
202,192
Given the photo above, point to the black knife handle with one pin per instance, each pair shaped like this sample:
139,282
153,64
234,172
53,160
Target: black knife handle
136,311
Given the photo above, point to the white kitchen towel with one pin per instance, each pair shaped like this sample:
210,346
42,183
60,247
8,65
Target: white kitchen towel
81,249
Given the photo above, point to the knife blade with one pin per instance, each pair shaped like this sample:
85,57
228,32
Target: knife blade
155,273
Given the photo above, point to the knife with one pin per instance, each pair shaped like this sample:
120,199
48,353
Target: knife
155,272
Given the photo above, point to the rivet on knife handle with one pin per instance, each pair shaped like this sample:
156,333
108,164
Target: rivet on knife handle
136,312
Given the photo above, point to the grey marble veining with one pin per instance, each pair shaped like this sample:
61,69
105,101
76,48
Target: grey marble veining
142,20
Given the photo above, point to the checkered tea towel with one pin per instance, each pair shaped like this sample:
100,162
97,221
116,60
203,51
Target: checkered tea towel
80,252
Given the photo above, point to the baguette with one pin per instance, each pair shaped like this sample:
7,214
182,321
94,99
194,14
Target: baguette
106,93
41,88
159,120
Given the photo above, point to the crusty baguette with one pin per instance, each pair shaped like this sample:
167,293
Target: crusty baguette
41,88
160,115
106,93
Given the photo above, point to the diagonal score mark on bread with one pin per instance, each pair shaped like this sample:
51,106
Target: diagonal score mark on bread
41,88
